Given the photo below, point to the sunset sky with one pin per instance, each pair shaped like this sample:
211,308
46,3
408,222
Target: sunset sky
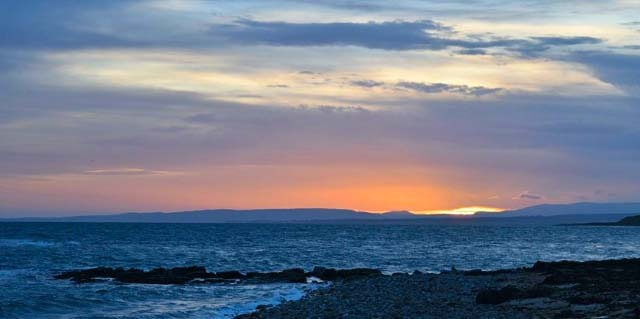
110,106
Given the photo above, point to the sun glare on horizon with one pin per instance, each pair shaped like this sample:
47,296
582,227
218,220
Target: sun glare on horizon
462,211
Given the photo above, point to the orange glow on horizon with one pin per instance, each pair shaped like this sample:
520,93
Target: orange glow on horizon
462,211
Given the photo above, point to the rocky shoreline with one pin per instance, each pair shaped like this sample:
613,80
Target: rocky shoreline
564,289
594,289
200,275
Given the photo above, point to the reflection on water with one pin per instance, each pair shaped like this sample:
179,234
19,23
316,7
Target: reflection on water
31,252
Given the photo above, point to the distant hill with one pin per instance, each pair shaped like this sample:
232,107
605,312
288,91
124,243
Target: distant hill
630,221
540,214
627,221
569,209
232,216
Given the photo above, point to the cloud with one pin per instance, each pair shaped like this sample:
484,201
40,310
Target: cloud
621,70
171,129
573,143
565,41
341,109
367,83
388,35
59,25
430,87
68,25
391,35
203,118
449,88
538,45
529,196
124,171
472,52
91,125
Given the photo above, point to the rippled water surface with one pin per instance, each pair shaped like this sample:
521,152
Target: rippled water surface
31,252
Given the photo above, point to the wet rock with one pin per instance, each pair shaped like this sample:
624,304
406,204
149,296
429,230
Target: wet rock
177,275
262,307
294,275
87,275
474,272
594,289
230,275
566,314
330,274
497,296
198,274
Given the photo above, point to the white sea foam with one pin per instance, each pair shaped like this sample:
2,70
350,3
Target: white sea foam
278,296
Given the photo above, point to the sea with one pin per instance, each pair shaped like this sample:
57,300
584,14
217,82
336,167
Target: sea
31,253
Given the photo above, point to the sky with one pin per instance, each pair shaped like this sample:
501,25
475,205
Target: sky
428,106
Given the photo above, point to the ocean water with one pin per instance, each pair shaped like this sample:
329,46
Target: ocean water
30,253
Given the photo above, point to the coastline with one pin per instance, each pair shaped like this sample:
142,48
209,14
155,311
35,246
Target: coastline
564,289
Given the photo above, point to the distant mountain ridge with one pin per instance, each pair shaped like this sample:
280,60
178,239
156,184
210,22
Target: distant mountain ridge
233,216
546,213
583,208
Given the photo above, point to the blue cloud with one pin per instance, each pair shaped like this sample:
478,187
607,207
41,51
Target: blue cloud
55,25
393,35
443,87
472,52
367,83
67,24
539,45
621,70
389,35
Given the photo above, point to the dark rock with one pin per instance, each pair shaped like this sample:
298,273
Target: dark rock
230,275
88,275
331,274
497,296
593,289
480,272
602,275
566,314
294,275
538,291
183,275
588,299
474,272
177,275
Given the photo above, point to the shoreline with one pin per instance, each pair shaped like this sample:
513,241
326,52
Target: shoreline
563,289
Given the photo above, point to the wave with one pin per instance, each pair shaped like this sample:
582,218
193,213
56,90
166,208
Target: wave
25,242
278,296
10,274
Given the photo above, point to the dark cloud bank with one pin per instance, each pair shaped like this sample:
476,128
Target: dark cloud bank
391,35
